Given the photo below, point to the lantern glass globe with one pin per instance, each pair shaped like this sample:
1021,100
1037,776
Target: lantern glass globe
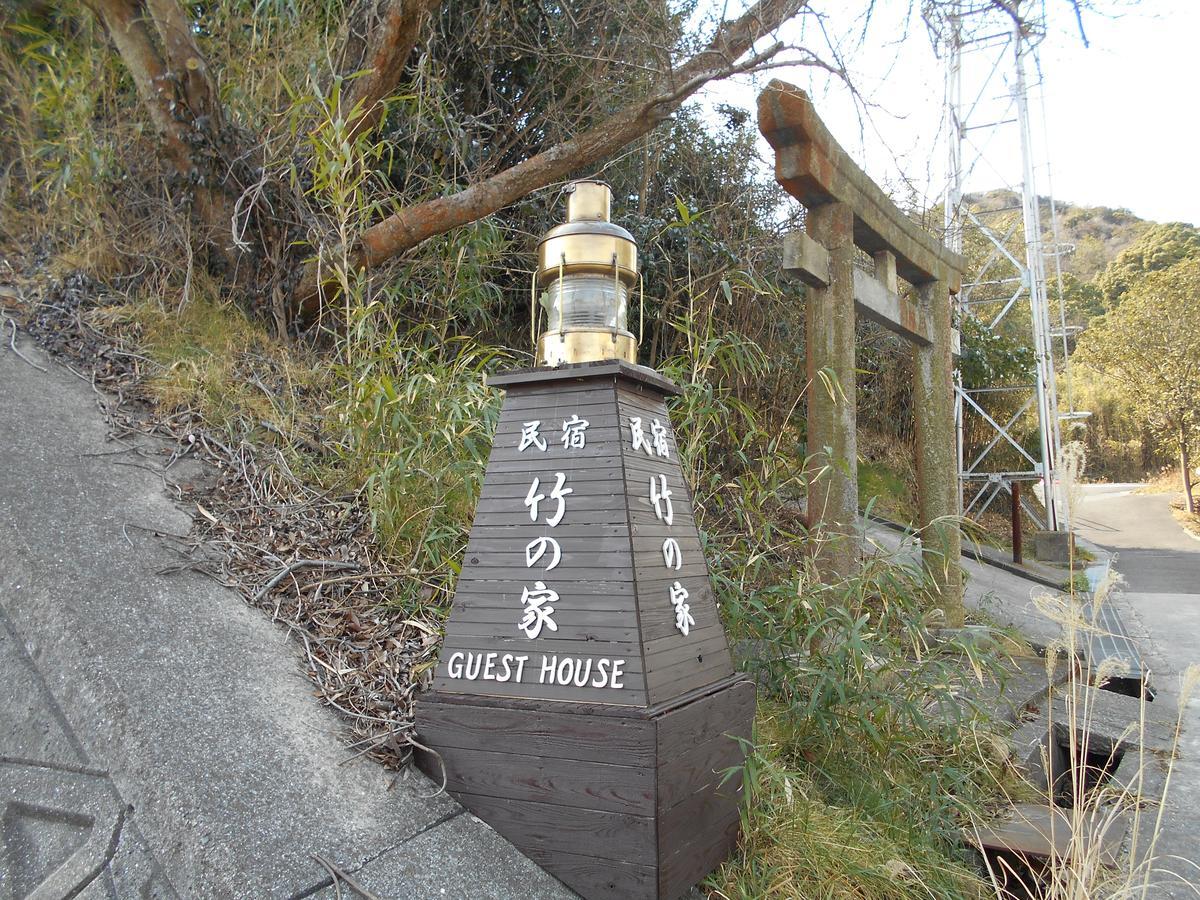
587,302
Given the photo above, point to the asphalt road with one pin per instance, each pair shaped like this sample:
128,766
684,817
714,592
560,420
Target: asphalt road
1156,555
1161,607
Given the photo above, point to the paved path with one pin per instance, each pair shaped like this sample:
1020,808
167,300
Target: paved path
1161,608
157,737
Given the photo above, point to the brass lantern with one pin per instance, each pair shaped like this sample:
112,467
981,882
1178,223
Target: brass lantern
587,268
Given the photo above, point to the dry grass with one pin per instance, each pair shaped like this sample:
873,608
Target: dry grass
1190,522
1166,481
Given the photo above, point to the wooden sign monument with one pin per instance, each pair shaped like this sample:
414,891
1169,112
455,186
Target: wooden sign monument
585,702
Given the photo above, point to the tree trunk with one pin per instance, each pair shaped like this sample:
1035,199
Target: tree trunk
378,44
1185,464
172,81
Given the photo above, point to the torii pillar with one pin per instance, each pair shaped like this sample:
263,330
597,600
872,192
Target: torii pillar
832,402
847,210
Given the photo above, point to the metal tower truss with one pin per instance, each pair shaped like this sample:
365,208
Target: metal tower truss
988,55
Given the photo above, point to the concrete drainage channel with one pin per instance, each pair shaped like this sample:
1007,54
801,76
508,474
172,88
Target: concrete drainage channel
1092,751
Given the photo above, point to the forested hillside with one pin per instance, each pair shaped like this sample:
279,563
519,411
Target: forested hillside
1104,252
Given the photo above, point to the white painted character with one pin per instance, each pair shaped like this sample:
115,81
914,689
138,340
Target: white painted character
558,492
659,432
538,611
683,614
660,496
638,435
533,498
573,432
672,555
536,549
530,436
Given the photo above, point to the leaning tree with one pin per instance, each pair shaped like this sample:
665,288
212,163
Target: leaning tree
537,92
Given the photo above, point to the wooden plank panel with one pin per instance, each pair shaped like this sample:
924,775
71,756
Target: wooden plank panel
501,482
686,649
597,552
598,452
653,645
573,708
499,594
677,680
699,767
639,467
568,829
610,879
646,410
579,505
635,395
677,824
563,531
588,392
641,512
572,615
692,861
544,465
692,749
632,694
581,736
551,414
656,582
662,627
649,563
599,517
604,426
568,629
604,442
547,779
520,574
722,712
599,412
570,620
677,664
658,615
657,531
515,544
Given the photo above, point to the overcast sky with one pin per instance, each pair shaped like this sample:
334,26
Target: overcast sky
1120,115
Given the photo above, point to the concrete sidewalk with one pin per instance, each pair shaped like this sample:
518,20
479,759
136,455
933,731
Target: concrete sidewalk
157,737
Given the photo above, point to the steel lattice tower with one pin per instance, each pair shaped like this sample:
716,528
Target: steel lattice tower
988,53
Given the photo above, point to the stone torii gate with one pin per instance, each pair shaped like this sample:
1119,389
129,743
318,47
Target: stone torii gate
845,210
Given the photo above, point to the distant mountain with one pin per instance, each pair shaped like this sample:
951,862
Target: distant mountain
1097,233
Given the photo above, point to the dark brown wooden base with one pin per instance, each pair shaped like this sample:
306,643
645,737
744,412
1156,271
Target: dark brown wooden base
615,802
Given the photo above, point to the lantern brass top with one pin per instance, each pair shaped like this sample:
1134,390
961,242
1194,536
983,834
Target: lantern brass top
589,201
587,242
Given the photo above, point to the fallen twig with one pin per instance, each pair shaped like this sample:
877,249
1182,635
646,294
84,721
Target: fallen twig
12,343
331,564
340,874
